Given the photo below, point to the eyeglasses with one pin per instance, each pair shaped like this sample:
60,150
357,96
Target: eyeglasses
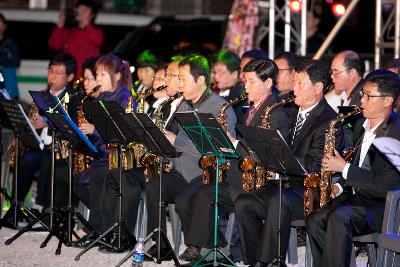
58,73
362,94
170,74
88,79
336,73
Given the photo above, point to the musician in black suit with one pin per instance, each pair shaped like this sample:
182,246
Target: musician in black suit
194,207
365,181
259,241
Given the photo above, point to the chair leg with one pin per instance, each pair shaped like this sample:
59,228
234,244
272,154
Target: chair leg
178,235
292,249
309,259
371,252
229,230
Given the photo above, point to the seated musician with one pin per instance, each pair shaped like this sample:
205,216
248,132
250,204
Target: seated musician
133,180
194,205
60,74
113,77
257,215
359,196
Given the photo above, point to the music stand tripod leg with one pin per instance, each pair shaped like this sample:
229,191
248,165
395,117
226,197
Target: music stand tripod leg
215,250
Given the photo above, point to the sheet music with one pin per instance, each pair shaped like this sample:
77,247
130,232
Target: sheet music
38,140
391,148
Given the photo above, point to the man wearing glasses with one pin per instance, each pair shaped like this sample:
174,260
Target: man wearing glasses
347,70
359,195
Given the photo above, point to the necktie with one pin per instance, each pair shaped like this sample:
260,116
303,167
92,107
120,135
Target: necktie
299,124
250,115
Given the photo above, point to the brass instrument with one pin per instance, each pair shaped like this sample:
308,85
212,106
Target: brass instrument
208,163
254,175
148,159
62,146
317,185
142,95
81,161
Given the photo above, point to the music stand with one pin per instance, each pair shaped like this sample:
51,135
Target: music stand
210,139
104,116
275,154
47,103
147,133
76,139
13,117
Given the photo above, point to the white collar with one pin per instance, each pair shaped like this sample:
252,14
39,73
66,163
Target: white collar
367,123
307,110
159,101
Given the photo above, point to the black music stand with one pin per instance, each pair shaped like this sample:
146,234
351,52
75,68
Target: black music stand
149,134
47,103
76,139
275,155
210,139
104,116
13,117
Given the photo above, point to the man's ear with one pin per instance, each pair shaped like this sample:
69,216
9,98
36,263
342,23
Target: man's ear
319,88
269,83
70,77
201,80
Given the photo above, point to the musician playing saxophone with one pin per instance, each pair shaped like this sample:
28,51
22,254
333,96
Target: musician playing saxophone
196,211
307,144
360,194
60,74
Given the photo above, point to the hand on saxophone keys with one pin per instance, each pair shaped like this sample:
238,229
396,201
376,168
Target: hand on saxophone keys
335,190
170,136
333,163
87,128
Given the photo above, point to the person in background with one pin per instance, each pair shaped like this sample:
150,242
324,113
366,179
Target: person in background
77,35
246,57
394,66
9,59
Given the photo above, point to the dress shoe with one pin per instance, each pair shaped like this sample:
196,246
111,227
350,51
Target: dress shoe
191,253
165,254
84,241
127,243
259,264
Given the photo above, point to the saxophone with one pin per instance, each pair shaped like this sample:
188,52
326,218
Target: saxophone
254,175
207,163
81,161
62,146
148,159
317,192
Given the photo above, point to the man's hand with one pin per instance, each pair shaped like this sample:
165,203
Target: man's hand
170,136
335,191
233,140
333,163
38,122
87,128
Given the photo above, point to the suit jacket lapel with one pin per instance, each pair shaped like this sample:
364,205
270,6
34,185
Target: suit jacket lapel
256,121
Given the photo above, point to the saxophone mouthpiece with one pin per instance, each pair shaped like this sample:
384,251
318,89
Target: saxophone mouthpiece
160,88
97,87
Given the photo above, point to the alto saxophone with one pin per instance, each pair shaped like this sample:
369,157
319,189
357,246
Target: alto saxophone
207,163
81,161
254,175
149,159
317,192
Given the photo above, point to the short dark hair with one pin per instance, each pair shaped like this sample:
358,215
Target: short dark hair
316,71
264,69
353,61
90,4
89,64
255,53
291,58
230,59
65,59
388,82
394,64
147,59
199,66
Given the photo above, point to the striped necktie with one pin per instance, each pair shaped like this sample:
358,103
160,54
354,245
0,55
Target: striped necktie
250,115
299,124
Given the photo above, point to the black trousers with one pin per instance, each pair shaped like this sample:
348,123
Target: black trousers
132,184
266,249
90,194
196,210
173,183
331,231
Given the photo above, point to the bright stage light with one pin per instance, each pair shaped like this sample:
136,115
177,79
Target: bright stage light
338,9
295,6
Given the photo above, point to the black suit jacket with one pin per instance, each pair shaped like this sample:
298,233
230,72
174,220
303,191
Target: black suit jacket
376,176
309,144
279,121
